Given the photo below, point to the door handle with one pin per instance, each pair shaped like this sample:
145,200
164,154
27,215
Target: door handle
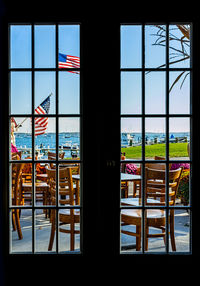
110,163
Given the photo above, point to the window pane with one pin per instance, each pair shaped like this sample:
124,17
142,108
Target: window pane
21,184
20,92
131,46
20,46
75,171
131,224
155,221
179,96
69,46
21,138
179,46
24,244
45,137
131,138
69,233
45,46
155,46
131,184
155,87
155,188
183,191
155,138
43,230
131,92
69,137
44,86
181,230
179,137
69,93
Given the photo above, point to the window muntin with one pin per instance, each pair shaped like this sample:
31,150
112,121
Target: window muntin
34,73
166,118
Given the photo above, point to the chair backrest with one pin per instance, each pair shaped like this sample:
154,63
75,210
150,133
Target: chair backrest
66,189
159,191
52,155
16,183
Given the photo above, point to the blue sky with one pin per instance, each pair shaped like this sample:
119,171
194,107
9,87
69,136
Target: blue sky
69,87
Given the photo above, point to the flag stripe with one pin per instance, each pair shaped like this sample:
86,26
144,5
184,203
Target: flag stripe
41,123
67,61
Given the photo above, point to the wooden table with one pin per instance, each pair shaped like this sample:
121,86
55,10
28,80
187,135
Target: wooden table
124,177
130,177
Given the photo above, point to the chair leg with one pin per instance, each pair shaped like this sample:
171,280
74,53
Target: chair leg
53,229
172,236
138,237
13,221
17,220
146,232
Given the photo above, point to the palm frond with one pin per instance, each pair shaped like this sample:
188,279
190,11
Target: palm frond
176,80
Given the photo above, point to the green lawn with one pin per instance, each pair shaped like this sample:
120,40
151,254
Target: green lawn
175,150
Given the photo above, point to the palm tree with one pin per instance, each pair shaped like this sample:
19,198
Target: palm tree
179,47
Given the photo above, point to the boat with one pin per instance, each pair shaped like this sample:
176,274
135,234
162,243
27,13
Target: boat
67,145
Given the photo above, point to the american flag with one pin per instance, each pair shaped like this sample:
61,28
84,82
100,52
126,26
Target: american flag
67,61
41,123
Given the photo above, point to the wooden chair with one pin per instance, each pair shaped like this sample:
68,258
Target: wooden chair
52,156
66,195
16,197
153,217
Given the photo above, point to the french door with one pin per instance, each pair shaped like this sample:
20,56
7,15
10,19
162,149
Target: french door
104,116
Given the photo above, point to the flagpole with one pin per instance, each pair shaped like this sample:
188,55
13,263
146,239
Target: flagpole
20,125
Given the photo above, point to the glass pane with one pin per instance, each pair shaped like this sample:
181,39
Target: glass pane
179,96
155,221
69,93
155,138
179,46
20,93
45,137
179,229
45,46
20,184
43,225
183,191
42,185
179,133
20,46
131,92
131,225
69,137
45,86
20,230
69,46
75,188
131,181
155,87
155,46
131,138
69,232
20,138
131,46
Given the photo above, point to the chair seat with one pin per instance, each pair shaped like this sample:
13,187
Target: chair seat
67,212
151,214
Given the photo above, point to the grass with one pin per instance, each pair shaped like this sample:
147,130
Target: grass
175,150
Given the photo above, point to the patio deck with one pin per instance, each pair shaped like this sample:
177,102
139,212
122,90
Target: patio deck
43,228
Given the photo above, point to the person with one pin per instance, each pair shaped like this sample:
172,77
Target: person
14,127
